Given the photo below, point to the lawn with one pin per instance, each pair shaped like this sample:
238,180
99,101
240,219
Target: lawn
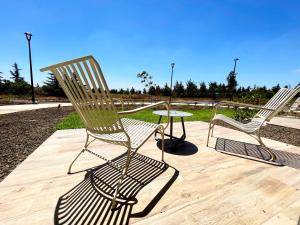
73,120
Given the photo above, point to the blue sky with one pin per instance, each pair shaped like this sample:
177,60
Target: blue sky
201,37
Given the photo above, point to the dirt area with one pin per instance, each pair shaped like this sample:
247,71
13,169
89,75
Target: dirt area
282,134
22,132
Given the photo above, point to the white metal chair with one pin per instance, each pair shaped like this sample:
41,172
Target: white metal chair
84,84
265,113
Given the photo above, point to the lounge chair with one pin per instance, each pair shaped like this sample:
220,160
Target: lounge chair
84,84
294,109
265,113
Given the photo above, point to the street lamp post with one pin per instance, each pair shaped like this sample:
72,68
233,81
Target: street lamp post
236,59
172,66
28,37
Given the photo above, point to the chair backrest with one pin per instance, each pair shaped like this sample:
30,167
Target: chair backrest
295,105
84,84
277,102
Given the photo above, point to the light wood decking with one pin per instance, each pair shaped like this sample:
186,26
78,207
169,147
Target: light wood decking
211,188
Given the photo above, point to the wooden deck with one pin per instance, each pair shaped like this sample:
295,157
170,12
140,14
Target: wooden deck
200,185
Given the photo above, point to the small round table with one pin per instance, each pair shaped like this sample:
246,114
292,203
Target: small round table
173,113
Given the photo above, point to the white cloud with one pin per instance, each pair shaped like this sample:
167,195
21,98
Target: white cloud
296,71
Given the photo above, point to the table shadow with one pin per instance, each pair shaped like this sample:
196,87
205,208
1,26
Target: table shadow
182,148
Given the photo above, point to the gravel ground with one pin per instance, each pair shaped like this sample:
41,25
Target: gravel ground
22,132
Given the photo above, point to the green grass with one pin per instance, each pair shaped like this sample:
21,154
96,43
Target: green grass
73,120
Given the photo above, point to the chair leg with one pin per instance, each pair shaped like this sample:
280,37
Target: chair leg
85,146
208,135
70,167
124,173
273,156
162,145
212,129
259,139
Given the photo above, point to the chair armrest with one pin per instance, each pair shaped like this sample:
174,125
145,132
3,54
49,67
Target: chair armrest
143,108
244,105
148,107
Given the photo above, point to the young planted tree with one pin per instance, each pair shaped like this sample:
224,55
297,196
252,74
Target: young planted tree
231,84
146,79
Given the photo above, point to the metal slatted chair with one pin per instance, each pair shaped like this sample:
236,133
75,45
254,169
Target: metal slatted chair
84,84
265,113
294,108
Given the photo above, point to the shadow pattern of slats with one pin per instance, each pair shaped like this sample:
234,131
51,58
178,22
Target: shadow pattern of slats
87,203
257,151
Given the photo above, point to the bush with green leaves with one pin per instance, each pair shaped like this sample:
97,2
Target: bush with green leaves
243,114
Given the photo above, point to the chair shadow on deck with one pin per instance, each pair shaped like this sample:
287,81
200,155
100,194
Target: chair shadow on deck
89,201
257,152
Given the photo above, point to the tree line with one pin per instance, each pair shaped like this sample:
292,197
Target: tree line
18,86
190,89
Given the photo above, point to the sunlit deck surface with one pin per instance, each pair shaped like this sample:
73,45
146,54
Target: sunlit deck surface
200,185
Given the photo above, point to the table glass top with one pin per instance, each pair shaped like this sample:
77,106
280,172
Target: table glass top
173,113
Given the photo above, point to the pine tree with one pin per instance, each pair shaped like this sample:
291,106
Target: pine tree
52,87
276,88
202,90
166,90
1,83
179,89
212,89
231,83
15,73
19,86
132,91
191,89
144,91
151,90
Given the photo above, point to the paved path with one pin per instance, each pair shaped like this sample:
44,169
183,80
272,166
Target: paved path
4,109
211,188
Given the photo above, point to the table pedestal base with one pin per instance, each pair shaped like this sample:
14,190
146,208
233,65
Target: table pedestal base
177,139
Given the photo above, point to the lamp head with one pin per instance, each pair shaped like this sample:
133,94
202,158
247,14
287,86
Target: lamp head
236,59
172,65
28,36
